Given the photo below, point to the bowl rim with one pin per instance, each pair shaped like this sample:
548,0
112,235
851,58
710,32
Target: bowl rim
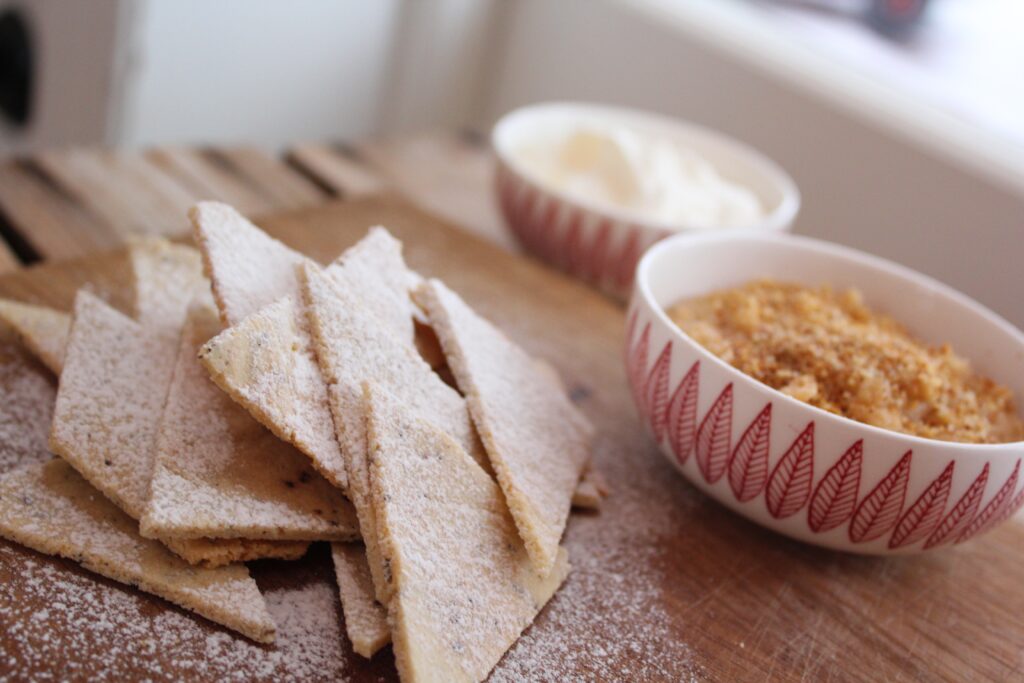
778,219
642,290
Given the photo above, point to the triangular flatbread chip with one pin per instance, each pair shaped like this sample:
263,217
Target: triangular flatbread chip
109,402
578,419
117,371
209,553
354,343
535,437
219,474
166,278
265,363
366,620
248,268
463,585
42,330
373,269
590,490
50,508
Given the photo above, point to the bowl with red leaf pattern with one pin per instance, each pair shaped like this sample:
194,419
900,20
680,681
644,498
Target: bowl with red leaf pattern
794,468
601,243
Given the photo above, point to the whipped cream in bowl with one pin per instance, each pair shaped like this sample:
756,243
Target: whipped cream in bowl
588,188
623,168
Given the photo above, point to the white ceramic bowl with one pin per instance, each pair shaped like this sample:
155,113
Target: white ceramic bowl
797,469
598,244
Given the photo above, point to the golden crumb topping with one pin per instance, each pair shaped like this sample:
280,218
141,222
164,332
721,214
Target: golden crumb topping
828,349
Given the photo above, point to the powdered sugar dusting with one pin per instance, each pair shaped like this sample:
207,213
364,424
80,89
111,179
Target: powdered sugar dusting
310,641
249,269
42,330
107,438
536,440
26,408
50,508
108,633
462,588
609,620
266,363
354,344
606,623
219,473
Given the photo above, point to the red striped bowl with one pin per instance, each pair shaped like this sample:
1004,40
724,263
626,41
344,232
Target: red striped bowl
598,244
794,468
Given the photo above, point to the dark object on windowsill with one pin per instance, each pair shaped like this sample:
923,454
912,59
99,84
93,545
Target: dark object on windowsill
895,17
16,69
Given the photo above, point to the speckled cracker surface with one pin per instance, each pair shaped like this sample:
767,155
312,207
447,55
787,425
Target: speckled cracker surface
355,343
30,398
42,330
265,363
220,474
374,269
464,587
50,508
166,277
366,620
116,374
109,401
248,268
537,441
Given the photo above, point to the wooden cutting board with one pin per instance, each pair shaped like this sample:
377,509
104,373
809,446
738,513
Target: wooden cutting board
666,585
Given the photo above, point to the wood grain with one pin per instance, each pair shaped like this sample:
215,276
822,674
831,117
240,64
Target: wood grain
209,180
46,217
275,180
336,170
8,261
65,203
667,585
448,175
121,188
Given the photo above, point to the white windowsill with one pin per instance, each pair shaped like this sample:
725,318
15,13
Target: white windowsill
741,31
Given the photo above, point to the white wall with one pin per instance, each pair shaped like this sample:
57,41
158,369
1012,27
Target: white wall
261,71
442,65
863,185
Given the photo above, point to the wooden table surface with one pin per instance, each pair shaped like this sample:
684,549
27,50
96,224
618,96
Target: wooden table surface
667,585
72,202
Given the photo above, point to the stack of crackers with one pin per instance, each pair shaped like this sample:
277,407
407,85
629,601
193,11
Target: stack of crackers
256,402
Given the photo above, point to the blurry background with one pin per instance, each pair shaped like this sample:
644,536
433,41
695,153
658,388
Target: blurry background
906,141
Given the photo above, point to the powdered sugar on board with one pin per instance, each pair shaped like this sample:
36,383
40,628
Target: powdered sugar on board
608,621
110,633
608,616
